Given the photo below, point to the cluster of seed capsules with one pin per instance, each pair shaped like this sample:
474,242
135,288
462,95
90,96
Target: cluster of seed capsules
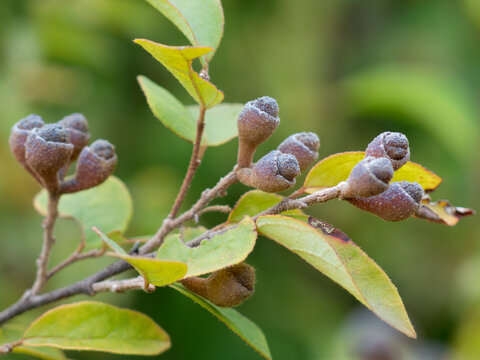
47,151
368,186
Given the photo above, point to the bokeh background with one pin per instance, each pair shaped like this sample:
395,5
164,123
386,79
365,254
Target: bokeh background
347,70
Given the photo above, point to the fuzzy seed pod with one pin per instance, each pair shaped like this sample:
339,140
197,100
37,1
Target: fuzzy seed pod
226,288
18,137
94,165
77,126
304,146
272,173
392,145
368,178
47,150
257,121
400,201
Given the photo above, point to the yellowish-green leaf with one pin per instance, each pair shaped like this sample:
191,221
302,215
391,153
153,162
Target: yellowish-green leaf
238,323
168,109
107,206
178,60
254,202
336,168
220,121
335,255
442,212
12,332
201,30
96,326
154,271
222,250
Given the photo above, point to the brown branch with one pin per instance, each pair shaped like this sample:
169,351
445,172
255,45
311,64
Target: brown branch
74,257
48,242
288,203
8,348
192,167
120,286
169,224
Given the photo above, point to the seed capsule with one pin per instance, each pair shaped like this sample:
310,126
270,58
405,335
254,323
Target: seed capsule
77,126
304,146
392,145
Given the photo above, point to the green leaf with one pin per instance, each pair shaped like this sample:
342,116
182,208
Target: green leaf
442,212
200,21
156,272
168,109
336,168
222,250
12,332
238,323
254,202
440,103
178,60
220,121
96,326
339,258
107,206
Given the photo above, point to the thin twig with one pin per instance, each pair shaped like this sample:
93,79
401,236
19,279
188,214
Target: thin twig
48,242
192,167
74,257
288,203
8,348
215,208
120,286
207,196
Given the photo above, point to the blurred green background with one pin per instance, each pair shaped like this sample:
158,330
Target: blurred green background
347,70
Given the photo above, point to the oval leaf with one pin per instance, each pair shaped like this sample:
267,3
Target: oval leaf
204,30
156,272
220,121
168,109
178,60
339,258
222,250
107,206
96,326
238,323
254,202
336,168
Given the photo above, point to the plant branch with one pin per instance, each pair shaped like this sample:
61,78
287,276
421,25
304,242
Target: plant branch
74,257
120,286
85,286
170,224
8,348
48,242
192,167
288,203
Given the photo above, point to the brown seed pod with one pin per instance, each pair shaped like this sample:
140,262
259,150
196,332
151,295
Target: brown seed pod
304,146
47,150
226,288
368,178
94,165
400,201
18,137
272,173
392,145
257,121
77,126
